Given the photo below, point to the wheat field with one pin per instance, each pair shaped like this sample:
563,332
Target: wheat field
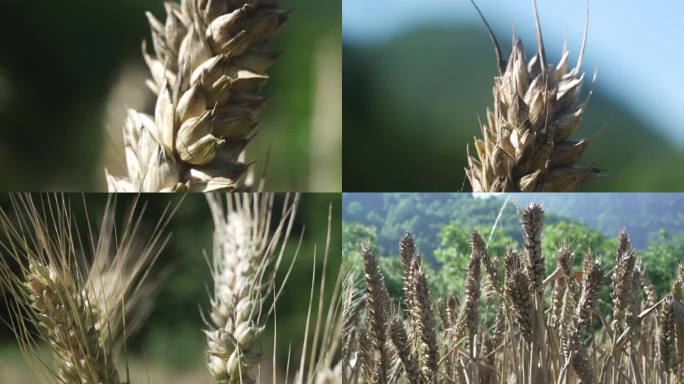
516,322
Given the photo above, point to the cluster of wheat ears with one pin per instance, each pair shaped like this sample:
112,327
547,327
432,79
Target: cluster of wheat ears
81,298
518,324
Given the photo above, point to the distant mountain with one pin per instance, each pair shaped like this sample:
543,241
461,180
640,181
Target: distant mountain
643,215
411,105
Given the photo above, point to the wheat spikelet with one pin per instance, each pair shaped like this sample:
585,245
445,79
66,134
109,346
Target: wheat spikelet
526,143
209,64
246,257
77,298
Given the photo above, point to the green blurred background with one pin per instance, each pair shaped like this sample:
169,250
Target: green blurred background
69,69
170,346
414,86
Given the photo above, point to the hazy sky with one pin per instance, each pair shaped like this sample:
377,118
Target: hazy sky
635,46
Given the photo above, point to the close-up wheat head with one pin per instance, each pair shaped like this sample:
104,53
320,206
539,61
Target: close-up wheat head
78,296
526,143
518,322
246,258
87,304
247,255
209,63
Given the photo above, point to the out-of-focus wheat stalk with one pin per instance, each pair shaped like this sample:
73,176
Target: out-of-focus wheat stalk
324,337
547,328
82,296
526,140
210,59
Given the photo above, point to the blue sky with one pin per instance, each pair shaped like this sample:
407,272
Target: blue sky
635,46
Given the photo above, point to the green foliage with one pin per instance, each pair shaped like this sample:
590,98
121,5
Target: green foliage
424,215
641,214
580,238
356,236
392,271
454,253
661,258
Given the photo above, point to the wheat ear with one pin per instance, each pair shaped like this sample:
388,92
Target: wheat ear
378,308
82,301
246,258
525,144
209,64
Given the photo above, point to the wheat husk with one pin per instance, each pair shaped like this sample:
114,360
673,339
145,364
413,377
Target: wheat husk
209,64
526,143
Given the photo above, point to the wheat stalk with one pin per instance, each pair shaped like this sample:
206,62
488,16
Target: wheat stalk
526,143
247,255
209,63
83,301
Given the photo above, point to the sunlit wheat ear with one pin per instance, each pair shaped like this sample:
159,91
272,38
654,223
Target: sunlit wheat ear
526,140
209,63
83,297
246,257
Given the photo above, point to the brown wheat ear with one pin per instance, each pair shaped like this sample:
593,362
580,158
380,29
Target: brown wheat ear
378,307
526,144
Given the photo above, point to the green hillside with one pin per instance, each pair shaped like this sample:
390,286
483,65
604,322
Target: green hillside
411,105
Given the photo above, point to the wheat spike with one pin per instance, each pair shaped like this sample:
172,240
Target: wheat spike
622,274
428,354
246,257
518,293
68,320
77,298
378,306
209,63
667,335
526,144
401,343
532,220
